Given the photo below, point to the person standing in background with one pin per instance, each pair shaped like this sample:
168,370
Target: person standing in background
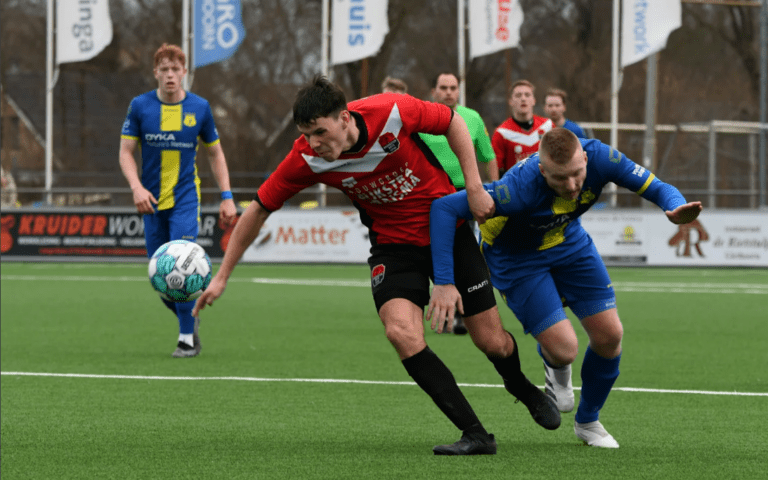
445,90
393,85
518,137
167,123
554,108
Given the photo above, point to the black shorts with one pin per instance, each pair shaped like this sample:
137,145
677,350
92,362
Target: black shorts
404,271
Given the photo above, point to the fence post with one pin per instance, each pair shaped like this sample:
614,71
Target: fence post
712,181
752,149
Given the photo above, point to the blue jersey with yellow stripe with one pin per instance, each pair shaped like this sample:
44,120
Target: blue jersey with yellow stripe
168,136
531,218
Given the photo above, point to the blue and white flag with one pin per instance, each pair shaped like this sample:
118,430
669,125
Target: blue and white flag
83,29
358,29
645,27
218,30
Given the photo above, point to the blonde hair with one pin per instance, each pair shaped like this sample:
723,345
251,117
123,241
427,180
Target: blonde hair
558,145
556,92
519,83
392,84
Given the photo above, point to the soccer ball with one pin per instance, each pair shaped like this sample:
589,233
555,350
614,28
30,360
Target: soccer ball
179,271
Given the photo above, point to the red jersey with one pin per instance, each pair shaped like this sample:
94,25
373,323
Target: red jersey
391,180
511,143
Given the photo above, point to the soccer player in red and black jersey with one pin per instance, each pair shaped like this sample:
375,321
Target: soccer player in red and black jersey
370,149
518,137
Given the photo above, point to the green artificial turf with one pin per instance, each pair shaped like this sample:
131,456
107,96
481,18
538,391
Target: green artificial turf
296,380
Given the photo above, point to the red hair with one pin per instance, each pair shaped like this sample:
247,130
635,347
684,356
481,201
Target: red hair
171,52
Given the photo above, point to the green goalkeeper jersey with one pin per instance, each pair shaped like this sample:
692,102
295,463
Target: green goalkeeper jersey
442,150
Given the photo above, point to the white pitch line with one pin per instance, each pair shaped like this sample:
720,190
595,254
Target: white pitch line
346,381
640,287
697,285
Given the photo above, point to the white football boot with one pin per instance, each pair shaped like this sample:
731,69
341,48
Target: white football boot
185,351
594,435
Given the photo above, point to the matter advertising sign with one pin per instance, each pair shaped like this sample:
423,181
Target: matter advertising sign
311,236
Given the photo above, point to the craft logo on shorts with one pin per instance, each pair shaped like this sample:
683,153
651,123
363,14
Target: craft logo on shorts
377,275
389,142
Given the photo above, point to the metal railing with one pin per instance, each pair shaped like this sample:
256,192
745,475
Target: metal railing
755,186
757,166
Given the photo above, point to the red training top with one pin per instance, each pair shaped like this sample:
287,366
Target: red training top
511,143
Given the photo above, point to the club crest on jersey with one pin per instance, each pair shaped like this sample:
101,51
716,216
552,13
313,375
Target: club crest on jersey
189,120
377,275
389,142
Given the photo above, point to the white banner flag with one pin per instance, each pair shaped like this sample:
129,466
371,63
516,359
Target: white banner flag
493,25
358,28
83,29
645,27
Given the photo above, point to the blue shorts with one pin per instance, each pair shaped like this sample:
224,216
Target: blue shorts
544,282
177,223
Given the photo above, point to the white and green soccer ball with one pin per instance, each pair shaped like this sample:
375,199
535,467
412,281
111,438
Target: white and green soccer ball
180,270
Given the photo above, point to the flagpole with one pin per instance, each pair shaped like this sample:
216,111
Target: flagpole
763,99
324,39
611,190
49,83
323,195
462,55
185,39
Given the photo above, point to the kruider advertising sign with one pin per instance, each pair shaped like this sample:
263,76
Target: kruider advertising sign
118,234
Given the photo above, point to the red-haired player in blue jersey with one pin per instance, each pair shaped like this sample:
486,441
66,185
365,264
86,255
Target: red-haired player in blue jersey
370,150
166,123
538,253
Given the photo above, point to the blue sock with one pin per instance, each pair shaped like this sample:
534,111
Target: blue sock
598,375
186,320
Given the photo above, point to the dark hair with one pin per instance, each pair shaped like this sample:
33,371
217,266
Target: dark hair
558,145
319,98
437,77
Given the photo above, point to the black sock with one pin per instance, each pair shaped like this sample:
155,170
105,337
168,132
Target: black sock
509,369
431,374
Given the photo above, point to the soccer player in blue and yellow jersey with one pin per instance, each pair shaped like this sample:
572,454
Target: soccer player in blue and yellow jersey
168,122
554,108
541,258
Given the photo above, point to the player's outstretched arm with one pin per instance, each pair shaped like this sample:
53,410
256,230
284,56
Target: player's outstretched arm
684,213
443,303
480,202
245,232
